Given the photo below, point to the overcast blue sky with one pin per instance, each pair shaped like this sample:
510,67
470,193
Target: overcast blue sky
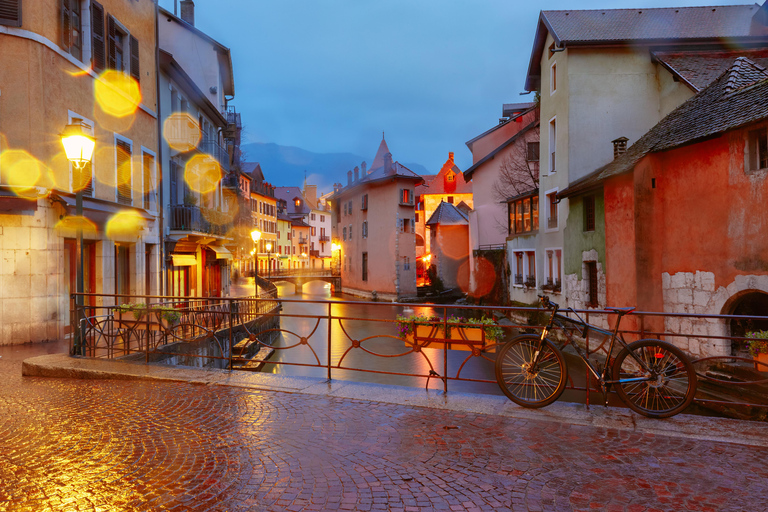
331,75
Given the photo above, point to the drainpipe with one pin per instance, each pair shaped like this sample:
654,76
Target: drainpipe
160,152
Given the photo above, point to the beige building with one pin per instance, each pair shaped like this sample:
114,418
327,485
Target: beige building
375,223
88,61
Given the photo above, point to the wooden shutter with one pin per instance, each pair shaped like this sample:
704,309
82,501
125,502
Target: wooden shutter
148,162
66,25
111,43
123,161
135,70
98,51
10,13
175,199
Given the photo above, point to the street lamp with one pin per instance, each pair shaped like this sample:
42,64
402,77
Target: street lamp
269,260
78,146
255,234
336,249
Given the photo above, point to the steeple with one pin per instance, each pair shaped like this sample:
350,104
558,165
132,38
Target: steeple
378,161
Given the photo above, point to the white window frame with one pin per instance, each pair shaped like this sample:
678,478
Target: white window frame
526,266
548,193
547,275
125,47
552,135
152,177
89,128
117,137
553,78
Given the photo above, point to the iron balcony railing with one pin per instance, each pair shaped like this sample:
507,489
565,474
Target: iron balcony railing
432,344
518,278
214,149
325,238
192,218
303,240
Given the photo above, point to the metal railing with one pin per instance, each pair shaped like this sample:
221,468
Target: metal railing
192,218
336,341
325,238
213,148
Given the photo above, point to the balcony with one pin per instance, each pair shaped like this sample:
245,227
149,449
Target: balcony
234,125
303,240
213,148
324,238
315,253
191,218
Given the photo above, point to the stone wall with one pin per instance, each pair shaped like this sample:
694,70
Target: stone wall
576,289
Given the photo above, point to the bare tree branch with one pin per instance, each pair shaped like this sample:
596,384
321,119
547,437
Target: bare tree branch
518,173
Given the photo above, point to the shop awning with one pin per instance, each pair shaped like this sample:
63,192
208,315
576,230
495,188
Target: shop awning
222,253
184,260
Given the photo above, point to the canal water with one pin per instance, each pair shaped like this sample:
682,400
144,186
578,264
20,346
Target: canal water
373,324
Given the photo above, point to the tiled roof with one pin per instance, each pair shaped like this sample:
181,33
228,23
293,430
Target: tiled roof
289,194
700,68
439,185
254,170
378,160
397,170
737,98
490,156
669,23
447,215
422,189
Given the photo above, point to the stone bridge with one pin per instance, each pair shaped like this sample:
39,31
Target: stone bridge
300,276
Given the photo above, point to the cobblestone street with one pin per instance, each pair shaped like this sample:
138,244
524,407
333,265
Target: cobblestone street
68,444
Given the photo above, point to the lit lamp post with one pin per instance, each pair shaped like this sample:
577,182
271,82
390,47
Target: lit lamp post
78,146
255,234
269,260
336,250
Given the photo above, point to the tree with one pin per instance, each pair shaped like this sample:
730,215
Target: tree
519,169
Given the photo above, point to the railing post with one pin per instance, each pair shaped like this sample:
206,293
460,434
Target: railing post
231,326
329,341
586,371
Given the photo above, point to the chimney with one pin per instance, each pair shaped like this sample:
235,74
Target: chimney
450,156
188,11
619,147
387,162
357,173
349,178
310,194
363,167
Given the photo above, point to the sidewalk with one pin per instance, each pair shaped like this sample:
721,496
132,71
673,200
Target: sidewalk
132,437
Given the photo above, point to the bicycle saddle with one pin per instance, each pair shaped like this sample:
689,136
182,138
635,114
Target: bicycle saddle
621,311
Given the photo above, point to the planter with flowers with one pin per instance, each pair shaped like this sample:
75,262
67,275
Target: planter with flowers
140,316
758,348
463,333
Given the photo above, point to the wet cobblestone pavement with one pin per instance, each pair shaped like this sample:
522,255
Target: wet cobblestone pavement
82,445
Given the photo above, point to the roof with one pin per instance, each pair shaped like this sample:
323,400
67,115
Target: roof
174,70
397,171
714,24
296,221
447,214
490,156
422,188
378,160
440,184
699,68
253,169
737,98
509,110
513,109
289,195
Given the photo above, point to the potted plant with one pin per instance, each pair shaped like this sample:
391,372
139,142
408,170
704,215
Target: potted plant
131,316
458,332
758,348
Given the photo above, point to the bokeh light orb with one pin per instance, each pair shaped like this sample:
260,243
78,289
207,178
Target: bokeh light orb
117,93
125,224
24,173
202,173
181,131
73,223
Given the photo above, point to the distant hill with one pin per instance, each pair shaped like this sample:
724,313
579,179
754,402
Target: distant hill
284,166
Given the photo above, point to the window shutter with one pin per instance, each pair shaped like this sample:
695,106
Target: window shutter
111,43
175,199
135,69
413,226
123,162
88,172
98,54
10,13
66,26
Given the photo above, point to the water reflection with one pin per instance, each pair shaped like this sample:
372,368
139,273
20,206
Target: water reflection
300,319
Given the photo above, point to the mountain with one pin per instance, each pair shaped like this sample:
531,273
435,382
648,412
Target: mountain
284,166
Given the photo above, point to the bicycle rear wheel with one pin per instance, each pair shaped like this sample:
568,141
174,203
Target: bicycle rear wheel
524,383
666,390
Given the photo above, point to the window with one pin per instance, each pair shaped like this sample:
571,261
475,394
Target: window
314,231
532,153
406,263
365,229
350,231
364,202
322,218
406,225
450,199
349,207
525,268
552,210
365,266
71,28
405,196
450,176
10,13
344,234
417,216
553,275
757,149
148,178
122,49
123,171
591,271
589,213
345,208
553,78
312,216
552,144
122,271
524,215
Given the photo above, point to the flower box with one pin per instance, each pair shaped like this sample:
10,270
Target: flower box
461,338
761,362
128,320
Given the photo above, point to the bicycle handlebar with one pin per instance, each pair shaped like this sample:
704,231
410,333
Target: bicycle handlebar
548,303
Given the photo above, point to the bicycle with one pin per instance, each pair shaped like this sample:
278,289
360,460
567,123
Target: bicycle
653,377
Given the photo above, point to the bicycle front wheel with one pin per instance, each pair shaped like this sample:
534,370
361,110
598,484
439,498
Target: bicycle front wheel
529,383
667,386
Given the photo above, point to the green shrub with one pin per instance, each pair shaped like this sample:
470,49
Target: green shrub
758,343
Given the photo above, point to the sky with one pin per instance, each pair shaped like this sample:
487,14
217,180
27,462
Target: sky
331,75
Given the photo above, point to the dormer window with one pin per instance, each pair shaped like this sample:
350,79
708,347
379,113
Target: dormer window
450,176
298,202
